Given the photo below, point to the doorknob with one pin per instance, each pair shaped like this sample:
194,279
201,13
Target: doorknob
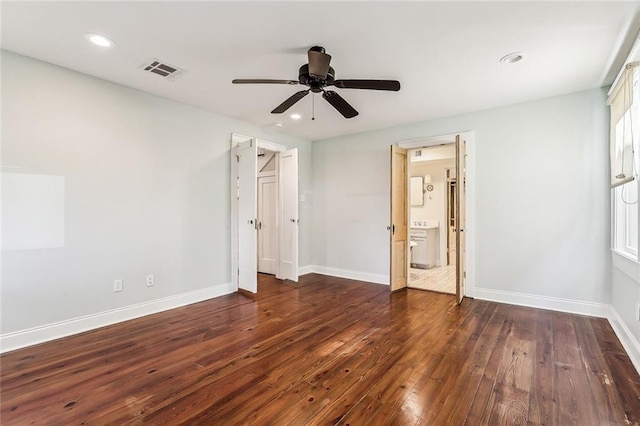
389,228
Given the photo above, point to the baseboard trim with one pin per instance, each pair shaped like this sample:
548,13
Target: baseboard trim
304,270
543,302
628,340
32,336
45,333
346,273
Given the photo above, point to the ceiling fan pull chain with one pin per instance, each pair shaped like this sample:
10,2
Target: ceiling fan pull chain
313,106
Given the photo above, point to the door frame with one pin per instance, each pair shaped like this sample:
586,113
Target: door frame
469,137
270,146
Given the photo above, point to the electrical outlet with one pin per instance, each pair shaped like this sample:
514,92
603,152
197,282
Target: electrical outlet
117,285
149,280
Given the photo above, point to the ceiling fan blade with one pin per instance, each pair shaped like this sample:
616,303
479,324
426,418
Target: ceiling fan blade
339,103
262,81
290,102
392,85
318,63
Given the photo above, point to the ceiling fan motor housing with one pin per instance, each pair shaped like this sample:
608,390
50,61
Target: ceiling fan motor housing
314,83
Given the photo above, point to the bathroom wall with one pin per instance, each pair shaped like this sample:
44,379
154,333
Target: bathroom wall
435,202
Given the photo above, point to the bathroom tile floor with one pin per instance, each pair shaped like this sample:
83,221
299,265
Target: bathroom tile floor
441,279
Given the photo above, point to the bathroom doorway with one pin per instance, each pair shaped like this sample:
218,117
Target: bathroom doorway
439,231
432,217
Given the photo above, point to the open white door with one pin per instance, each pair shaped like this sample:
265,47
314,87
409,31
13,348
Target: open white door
399,267
461,155
247,153
288,218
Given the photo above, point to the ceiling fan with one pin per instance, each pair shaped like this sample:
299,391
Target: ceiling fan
317,75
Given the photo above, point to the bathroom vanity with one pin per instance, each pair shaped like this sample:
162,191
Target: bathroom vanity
425,236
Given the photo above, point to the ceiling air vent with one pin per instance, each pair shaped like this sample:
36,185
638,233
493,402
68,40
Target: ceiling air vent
163,69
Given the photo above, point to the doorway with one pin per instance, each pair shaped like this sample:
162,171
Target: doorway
432,216
439,228
267,212
264,211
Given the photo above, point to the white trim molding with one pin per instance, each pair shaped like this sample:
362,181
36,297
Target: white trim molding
45,333
628,340
626,264
307,269
580,307
345,273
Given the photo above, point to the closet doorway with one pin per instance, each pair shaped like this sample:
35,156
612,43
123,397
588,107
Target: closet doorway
267,211
264,211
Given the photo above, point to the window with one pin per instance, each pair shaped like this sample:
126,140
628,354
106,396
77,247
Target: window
625,220
625,141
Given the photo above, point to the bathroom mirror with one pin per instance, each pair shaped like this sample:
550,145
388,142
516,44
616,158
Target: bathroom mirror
417,194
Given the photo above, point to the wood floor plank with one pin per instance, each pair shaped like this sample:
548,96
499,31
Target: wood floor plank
541,397
328,350
508,406
575,402
627,384
598,373
565,344
456,409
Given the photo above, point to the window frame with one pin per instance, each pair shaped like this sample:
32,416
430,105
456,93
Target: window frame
623,214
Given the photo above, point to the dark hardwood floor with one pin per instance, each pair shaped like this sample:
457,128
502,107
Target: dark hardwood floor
329,351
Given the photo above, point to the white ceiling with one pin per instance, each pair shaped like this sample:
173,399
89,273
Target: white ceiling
445,54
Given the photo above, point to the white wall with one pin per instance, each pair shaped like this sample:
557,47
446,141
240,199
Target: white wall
624,298
625,303
435,201
542,199
146,190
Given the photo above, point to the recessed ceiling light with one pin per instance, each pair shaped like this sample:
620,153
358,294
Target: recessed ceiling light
98,40
279,124
296,116
512,58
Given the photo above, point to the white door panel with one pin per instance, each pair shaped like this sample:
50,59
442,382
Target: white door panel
267,235
288,218
247,215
